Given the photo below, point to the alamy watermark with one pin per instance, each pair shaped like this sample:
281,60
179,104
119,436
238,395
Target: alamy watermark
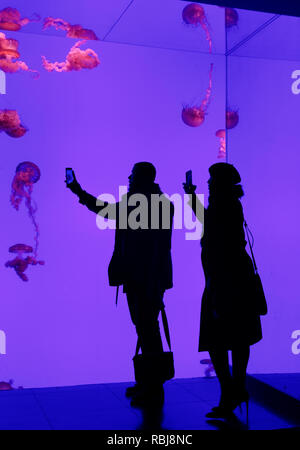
296,84
2,82
153,211
296,344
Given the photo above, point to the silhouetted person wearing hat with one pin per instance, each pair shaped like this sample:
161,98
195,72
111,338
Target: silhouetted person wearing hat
141,262
229,321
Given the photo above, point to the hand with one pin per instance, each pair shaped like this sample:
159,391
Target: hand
74,186
189,188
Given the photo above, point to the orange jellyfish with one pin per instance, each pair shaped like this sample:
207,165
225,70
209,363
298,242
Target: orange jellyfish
194,116
19,263
194,14
73,31
232,119
8,385
210,368
27,173
231,17
76,60
222,149
10,19
10,123
9,53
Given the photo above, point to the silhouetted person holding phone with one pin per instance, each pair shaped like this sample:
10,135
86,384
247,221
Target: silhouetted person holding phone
229,319
141,262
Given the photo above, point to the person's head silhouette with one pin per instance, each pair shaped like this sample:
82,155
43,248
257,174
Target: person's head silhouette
224,179
142,176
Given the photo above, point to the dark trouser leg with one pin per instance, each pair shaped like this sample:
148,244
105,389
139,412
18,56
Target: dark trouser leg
219,358
148,332
144,313
240,358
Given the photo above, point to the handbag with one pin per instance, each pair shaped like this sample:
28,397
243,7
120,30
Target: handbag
155,366
261,306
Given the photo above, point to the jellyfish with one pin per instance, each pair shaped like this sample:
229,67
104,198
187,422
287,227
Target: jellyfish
8,385
9,53
73,31
232,119
222,149
19,263
10,123
27,173
76,60
10,19
210,369
193,14
195,115
231,17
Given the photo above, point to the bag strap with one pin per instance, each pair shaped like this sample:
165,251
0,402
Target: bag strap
250,245
166,330
117,295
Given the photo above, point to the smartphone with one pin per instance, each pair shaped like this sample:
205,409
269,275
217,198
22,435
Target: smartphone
69,175
188,177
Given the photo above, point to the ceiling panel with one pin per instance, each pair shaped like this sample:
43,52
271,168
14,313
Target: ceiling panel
248,23
279,40
159,23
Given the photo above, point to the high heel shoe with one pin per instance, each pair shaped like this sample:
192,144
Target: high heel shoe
224,409
240,398
219,412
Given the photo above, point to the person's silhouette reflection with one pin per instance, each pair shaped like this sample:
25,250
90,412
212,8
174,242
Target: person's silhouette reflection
141,262
228,320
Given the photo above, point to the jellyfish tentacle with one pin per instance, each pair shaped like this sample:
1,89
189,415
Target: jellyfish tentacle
76,59
58,24
195,115
206,100
26,175
73,31
205,27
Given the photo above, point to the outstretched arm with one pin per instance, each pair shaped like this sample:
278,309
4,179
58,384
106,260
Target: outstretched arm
104,209
194,201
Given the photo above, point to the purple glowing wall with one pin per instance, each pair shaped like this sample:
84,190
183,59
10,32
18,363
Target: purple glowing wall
265,147
62,327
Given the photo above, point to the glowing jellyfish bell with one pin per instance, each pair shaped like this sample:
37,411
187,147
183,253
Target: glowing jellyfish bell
27,173
20,249
21,263
194,14
8,47
192,116
232,119
6,385
221,134
10,123
11,20
231,17
9,53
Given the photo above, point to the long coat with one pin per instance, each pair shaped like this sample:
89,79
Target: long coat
141,259
228,315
